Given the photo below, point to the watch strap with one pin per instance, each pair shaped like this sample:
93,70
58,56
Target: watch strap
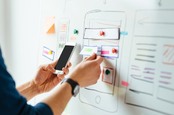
72,83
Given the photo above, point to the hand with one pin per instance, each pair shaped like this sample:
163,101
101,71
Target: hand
88,71
45,79
85,73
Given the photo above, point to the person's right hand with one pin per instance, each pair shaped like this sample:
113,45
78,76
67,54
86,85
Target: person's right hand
88,71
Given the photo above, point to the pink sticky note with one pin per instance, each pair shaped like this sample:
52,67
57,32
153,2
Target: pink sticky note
124,83
104,52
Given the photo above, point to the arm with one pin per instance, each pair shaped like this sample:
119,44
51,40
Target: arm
12,103
59,99
28,90
86,73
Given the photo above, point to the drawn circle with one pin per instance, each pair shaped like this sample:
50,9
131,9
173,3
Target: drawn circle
97,99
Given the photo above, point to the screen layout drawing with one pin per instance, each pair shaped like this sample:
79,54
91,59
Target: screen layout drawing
152,62
103,33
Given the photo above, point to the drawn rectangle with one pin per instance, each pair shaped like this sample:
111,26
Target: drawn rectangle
166,94
168,54
107,75
48,53
147,20
110,51
108,33
136,86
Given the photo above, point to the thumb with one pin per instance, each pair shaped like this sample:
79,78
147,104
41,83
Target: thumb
99,59
92,57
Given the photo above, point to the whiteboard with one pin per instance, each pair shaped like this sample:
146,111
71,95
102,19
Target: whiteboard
141,78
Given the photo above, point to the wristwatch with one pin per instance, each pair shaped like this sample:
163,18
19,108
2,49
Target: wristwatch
74,85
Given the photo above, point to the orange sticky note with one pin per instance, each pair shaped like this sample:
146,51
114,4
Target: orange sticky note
51,30
49,25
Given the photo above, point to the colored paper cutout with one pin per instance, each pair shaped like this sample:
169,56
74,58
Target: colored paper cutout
89,50
63,27
49,25
51,30
124,83
107,51
104,52
107,75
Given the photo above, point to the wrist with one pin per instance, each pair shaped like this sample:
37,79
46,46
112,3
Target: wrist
28,90
34,88
74,78
74,85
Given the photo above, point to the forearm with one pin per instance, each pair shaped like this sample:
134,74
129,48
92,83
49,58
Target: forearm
28,90
59,99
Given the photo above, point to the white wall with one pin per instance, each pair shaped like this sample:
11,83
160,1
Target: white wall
1,21
145,22
5,31
2,31
20,44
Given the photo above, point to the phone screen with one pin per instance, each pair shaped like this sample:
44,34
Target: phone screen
66,53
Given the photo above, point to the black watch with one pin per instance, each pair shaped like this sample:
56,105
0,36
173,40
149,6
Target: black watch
74,85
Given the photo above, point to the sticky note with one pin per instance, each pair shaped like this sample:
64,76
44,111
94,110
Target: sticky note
110,51
124,83
51,30
89,50
50,52
49,25
107,75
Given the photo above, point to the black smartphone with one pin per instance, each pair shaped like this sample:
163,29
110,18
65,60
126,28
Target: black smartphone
64,57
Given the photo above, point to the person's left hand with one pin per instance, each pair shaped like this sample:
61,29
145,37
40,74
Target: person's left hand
45,79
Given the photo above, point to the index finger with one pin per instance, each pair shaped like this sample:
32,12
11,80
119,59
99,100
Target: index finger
54,63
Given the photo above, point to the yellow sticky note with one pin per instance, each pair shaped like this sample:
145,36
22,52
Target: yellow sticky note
50,52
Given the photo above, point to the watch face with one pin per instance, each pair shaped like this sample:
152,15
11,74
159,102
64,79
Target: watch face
76,90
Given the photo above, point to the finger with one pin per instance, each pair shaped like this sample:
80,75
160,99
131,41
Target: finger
68,65
56,81
92,57
50,68
65,70
99,59
43,67
54,63
60,76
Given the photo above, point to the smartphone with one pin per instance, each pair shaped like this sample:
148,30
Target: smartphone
64,57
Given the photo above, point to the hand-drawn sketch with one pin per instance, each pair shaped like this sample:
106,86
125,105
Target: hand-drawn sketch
102,32
150,70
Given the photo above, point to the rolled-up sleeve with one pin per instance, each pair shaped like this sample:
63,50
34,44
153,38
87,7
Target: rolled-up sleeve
11,102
